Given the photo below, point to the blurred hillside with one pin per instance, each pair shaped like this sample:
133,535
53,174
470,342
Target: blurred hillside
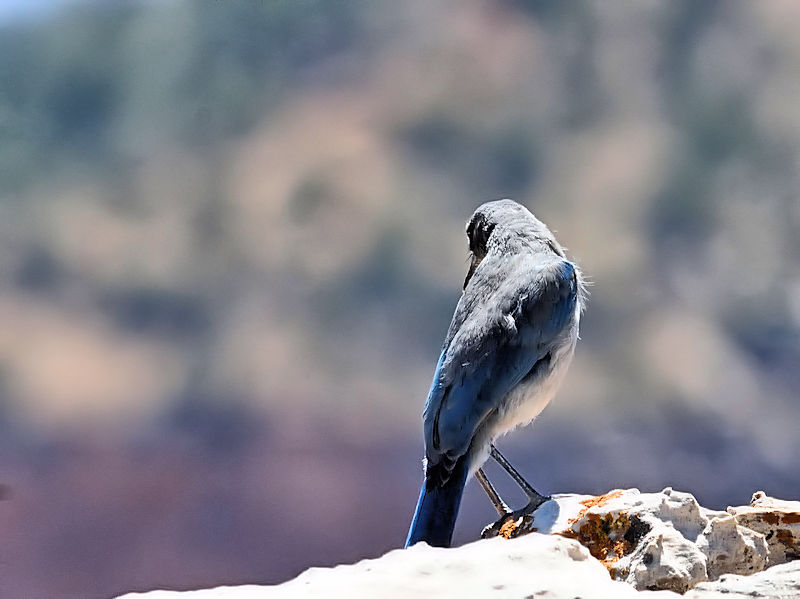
232,238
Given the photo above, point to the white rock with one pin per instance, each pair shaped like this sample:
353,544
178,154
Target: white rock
681,509
731,548
663,559
777,520
778,582
651,540
535,565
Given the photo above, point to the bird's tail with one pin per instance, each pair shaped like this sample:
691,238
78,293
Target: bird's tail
437,508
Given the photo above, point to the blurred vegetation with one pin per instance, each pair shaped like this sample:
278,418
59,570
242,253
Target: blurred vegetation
100,86
182,176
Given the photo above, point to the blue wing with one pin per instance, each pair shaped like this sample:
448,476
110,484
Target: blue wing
503,331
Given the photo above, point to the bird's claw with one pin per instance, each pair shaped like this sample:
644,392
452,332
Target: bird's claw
515,523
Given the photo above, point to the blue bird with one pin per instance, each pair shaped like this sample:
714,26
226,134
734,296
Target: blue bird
507,350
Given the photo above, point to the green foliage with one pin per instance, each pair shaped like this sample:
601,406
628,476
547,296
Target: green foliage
110,83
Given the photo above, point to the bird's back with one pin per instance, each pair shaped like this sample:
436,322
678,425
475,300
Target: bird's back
508,345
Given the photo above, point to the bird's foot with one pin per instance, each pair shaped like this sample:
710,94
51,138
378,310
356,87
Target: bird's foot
516,523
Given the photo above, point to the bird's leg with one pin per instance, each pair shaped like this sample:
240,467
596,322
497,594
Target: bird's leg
513,523
535,498
494,497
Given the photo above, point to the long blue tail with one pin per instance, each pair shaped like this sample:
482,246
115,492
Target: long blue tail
437,509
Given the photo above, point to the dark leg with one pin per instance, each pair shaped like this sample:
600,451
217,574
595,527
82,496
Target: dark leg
514,523
535,498
499,504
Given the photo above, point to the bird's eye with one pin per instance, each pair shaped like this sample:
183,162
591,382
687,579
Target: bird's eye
481,238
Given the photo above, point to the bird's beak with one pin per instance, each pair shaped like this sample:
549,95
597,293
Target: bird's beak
473,264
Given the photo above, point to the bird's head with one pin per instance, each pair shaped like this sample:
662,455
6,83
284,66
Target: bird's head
498,221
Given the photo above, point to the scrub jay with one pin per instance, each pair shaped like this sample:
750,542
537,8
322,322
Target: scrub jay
508,347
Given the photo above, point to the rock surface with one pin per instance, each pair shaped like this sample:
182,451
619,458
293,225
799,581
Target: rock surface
778,521
582,546
650,540
549,567
778,582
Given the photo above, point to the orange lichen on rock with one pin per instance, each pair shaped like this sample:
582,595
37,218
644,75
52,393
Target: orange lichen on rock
791,518
608,538
514,528
601,499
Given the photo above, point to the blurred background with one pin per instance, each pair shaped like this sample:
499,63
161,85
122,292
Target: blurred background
232,236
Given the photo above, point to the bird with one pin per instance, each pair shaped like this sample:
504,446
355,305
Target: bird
507,349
